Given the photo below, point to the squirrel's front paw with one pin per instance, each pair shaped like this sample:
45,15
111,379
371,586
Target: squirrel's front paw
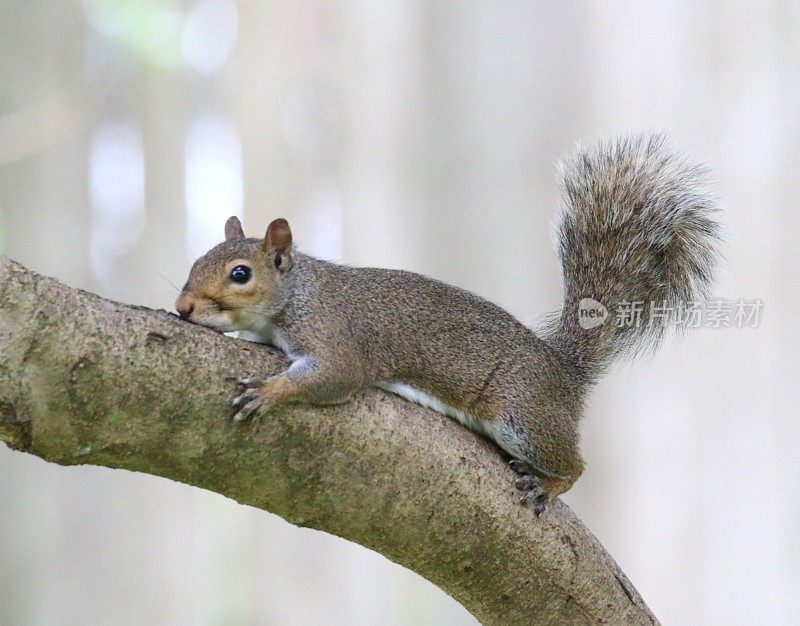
262,393
250,400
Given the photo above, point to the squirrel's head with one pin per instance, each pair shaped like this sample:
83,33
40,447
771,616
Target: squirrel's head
233,286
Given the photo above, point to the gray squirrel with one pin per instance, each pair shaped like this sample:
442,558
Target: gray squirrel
636,226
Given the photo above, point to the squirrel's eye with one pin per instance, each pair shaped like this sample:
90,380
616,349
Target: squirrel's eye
240,274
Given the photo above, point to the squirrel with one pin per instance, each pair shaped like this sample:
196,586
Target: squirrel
635,226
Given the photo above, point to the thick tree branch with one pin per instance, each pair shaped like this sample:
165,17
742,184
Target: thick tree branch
87,380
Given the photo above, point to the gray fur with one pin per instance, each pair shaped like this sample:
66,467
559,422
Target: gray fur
635,225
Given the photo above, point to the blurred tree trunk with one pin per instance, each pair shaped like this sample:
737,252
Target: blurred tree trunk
161,256
264,61
43,103
46,115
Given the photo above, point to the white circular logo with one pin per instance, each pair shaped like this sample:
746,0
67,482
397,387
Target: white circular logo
591,313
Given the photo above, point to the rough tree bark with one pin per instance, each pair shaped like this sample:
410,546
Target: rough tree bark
88,380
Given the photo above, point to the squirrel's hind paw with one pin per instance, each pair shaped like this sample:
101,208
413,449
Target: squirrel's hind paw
534,493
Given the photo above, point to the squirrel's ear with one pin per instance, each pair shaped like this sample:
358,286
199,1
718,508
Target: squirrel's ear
233,228
278,244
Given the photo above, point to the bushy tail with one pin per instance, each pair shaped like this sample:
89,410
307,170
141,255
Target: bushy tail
637,240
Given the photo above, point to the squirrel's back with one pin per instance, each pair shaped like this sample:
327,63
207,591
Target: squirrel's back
436,331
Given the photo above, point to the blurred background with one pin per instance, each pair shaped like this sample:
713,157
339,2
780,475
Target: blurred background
418,135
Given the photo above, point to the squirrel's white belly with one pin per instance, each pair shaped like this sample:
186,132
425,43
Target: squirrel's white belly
498,431
432,402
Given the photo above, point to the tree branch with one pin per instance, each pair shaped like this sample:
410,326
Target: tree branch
88,380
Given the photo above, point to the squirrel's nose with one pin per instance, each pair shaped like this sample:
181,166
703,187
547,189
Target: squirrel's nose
185,305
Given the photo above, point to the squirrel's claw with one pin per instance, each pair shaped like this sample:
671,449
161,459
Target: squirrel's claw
249,401
248,409
537,500
239,399
535,495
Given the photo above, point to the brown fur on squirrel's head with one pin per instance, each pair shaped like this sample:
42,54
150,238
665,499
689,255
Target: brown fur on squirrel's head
232,286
